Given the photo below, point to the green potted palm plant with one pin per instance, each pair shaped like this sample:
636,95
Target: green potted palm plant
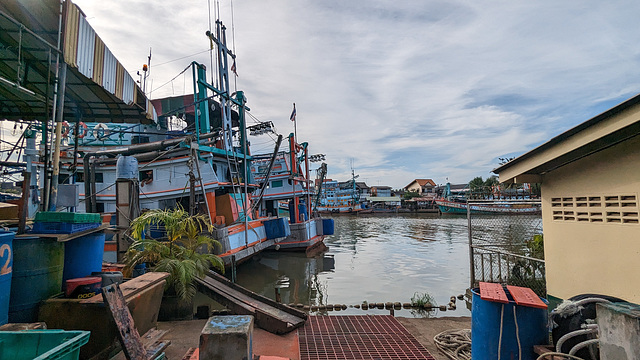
185,253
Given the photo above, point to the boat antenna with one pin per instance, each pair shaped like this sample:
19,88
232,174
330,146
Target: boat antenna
210,42
146,68
233,40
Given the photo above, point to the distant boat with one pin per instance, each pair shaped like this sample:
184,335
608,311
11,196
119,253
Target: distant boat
505,207
458,204
335,199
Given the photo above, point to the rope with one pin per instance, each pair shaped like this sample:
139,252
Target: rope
455,344
559,354
515,318
501,326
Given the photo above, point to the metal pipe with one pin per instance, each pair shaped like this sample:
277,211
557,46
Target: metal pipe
472,270
129,150
58,121
271,163
38,37
583,344
590,329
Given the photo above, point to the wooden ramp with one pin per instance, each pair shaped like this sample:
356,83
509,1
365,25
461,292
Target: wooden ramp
269,315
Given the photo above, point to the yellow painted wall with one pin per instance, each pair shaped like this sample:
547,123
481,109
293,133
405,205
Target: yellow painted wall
415,187
589,256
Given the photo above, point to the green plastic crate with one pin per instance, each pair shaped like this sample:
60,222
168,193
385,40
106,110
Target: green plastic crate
68,217
42,344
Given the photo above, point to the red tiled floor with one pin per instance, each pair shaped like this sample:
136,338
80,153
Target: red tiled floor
358,337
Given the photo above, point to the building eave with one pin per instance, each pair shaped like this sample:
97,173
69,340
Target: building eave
613,126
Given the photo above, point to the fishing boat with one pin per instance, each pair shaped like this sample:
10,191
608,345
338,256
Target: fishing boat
284,179
459,204
455,207
204,167
339,198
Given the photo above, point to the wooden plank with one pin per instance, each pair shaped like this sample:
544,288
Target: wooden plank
493,292
23,326
66,237
127,333
265,300
256,304
192,354
157,348
526,297
267,317
134,286
149,340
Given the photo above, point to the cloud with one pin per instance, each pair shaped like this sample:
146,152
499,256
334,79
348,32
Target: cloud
401,90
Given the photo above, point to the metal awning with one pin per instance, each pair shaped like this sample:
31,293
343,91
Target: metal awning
98,89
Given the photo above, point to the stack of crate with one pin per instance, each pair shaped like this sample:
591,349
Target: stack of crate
51,222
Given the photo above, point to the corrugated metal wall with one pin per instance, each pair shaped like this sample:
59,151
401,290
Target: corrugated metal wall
98,60
128,89
71,34
119,80
109,71
86,47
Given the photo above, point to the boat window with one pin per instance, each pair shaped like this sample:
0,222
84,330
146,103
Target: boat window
80,177
100,207
66,179
276,183
146,177
139,139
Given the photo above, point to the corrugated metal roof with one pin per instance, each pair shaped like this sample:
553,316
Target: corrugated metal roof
33,27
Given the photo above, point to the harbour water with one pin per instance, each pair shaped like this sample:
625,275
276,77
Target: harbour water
372,259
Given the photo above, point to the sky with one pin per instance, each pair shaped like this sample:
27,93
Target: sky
396,90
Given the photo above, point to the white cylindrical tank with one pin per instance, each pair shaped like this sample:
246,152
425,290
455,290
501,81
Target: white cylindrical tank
127,167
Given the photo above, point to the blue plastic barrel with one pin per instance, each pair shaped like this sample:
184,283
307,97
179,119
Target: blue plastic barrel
486,329
302,212
83,256
6,270
327,226
37,275
276,228
292,218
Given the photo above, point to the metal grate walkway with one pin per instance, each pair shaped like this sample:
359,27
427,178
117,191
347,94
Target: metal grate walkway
358,337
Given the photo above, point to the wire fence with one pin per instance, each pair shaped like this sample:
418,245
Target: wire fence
506,248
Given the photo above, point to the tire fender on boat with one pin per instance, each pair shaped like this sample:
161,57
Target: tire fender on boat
101,130
83,130
65,129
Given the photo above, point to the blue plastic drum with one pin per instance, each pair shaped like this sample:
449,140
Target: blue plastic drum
493,326
6,272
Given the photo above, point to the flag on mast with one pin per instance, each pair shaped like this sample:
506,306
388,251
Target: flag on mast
293,113
233,67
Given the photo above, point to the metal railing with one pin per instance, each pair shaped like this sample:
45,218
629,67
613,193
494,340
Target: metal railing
504,248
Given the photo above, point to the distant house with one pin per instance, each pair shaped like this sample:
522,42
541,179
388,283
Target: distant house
381,191
421,186
590,182
363,190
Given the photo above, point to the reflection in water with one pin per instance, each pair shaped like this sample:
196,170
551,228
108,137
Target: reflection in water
373,259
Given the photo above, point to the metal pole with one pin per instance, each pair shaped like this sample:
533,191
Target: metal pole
472,271
58,121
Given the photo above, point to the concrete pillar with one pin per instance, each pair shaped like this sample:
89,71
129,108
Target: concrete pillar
619,325
227,338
